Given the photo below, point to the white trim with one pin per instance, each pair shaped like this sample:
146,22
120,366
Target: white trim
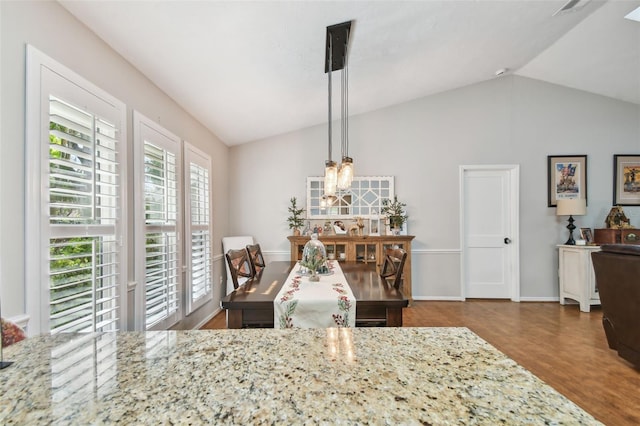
207,319
191,154
21,321
540,299
514,218
435,251
42,71
141,126
440,298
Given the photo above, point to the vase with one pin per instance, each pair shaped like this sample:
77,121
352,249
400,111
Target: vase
296,232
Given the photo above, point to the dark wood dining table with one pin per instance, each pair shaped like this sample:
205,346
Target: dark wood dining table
377,302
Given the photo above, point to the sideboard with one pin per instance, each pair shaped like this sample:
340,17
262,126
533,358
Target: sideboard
368,248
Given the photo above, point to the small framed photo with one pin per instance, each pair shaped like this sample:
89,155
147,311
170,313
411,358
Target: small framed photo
374,226
567,178
626,180
586,234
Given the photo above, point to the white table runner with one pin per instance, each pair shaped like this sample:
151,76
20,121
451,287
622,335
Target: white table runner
322,304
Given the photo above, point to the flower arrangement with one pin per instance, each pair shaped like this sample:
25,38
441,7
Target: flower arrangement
394,210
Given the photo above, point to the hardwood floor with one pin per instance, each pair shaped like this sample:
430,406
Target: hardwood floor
564,347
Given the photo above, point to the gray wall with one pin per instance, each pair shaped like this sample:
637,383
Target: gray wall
51,29
510,120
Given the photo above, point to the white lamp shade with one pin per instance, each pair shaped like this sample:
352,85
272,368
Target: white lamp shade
571,207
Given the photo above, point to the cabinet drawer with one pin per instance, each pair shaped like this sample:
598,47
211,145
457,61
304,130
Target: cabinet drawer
616,236
630,236
606,236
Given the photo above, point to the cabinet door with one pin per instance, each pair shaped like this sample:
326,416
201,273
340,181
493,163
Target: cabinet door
393,244
572,271
366,252
341,251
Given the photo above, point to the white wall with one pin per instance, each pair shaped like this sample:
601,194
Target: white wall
51,29
510,120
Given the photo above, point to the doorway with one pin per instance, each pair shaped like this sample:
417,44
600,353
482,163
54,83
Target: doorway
489,200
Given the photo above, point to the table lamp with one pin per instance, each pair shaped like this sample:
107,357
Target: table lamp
570,207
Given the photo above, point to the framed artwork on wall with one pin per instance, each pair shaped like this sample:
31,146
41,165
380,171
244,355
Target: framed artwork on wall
567,177
626,180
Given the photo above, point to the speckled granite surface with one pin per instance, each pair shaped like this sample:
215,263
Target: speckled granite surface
442,376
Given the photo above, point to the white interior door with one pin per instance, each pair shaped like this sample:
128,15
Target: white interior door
489,216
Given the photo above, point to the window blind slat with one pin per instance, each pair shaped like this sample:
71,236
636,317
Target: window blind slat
84,195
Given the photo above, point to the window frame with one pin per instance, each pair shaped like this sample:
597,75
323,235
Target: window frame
194,155
46,77
315,185
143,126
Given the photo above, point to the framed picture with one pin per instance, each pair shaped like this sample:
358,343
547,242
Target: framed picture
567,177
585,234
374,226
626,180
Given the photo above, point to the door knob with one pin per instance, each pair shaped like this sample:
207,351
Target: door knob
507,240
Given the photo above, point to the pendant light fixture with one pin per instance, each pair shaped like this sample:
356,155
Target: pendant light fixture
330,167
336,59
345,171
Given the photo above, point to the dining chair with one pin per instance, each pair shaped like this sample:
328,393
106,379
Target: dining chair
255,258
239,266
393,265
234,242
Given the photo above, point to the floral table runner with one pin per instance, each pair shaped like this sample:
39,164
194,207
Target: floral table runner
322,304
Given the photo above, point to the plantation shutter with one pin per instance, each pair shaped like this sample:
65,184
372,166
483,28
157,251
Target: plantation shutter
74,201
158,163
83,208
198,227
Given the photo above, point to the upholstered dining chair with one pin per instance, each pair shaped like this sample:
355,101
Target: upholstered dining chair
239,265
393,265
234,243
255,258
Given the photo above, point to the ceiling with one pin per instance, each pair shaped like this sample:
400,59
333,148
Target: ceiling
250,70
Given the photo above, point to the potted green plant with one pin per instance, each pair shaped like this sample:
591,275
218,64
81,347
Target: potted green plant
295,219
394,210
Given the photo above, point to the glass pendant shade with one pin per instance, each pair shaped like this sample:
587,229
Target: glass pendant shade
345,174
330,177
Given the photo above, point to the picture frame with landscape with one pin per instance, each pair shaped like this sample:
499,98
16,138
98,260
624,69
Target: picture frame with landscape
567,178
626,180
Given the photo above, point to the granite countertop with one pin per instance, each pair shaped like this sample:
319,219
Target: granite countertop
351,376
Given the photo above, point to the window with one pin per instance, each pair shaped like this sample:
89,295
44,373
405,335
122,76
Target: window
363,199
75,153
197,227
157,166
76,211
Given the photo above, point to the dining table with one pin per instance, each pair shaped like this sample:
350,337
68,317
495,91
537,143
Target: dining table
378,303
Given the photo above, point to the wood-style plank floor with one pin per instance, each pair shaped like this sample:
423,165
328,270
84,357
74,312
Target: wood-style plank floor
564,347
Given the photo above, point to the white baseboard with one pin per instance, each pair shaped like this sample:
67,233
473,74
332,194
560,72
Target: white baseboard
21,321
206,319
539,299
440,298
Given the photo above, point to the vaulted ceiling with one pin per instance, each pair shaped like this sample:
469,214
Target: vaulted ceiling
250,70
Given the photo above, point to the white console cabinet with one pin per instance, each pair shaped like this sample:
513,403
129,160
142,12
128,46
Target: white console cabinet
576,276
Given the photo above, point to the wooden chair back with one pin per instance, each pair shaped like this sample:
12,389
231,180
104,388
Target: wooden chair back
393,265
239,265
255,258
